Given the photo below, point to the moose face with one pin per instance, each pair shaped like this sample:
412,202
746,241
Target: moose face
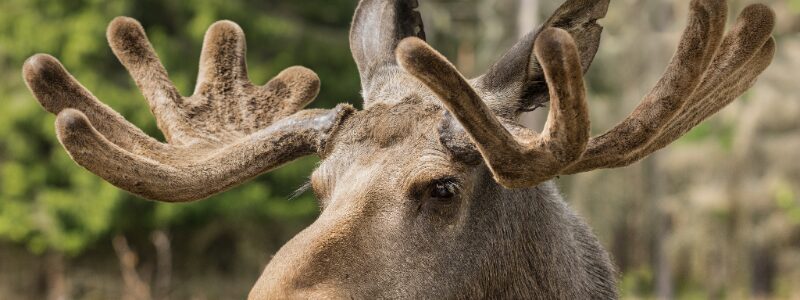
392,198
404,217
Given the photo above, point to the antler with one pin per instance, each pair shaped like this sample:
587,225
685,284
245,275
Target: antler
229,131
702,78
694,88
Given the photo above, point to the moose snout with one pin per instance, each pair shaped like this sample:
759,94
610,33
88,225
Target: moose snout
318,263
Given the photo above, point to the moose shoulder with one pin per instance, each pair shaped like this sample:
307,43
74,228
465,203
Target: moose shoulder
433,190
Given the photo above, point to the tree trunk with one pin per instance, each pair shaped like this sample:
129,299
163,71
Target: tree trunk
662,264
57,285
135,287
163,247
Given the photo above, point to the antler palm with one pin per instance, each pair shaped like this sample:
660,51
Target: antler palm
228,131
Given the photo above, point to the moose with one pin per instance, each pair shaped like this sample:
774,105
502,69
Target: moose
434,189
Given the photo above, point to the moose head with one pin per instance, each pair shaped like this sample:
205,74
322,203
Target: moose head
433,189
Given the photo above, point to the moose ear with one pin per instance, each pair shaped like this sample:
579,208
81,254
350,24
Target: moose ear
516,83
378,26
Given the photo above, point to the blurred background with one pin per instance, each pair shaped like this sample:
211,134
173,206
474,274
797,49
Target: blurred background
714,216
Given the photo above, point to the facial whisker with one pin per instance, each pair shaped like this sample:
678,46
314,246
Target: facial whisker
300,190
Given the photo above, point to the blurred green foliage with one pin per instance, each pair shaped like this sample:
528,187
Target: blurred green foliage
794,5
49,203
785,199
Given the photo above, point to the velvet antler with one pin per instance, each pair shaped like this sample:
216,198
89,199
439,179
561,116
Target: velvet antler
702,78
226,133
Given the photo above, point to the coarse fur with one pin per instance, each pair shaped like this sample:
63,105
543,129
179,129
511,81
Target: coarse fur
434,190
380,236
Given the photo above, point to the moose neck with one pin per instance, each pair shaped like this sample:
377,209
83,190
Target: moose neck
540,246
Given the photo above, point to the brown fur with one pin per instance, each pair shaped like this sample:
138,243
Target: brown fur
516,83
380,236
383,232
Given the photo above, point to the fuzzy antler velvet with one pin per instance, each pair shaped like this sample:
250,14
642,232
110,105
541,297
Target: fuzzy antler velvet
226,133
706,73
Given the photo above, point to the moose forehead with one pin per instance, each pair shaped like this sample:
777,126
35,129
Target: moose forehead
410,123
397,141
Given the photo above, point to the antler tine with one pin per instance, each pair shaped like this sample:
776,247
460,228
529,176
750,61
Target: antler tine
704,104
211,174
714,101
744,54
227,133
524,158
683,75
57,90
222,60
129,43
223,72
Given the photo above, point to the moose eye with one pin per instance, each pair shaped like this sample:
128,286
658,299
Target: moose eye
443,190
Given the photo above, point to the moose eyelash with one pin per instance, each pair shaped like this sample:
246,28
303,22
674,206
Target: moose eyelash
451,182
300,190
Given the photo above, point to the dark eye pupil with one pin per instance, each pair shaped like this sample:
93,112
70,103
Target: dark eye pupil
442,191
